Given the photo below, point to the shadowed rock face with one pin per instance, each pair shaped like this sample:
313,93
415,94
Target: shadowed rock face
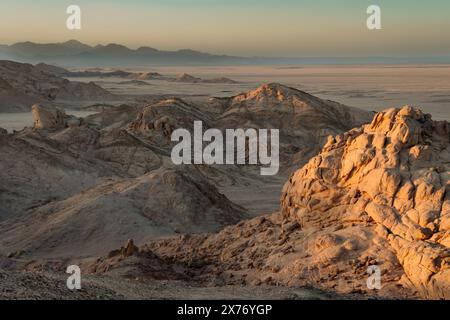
392,176
104,216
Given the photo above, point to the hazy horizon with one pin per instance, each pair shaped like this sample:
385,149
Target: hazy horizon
241,28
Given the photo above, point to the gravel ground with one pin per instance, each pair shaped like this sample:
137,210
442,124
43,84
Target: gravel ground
49,286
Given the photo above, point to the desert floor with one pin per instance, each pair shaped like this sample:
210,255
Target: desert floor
366,87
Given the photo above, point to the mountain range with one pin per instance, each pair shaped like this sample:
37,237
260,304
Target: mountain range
73,53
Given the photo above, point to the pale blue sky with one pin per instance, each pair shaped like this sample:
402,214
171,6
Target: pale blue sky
241,27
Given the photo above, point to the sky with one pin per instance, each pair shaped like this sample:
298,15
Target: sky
277,28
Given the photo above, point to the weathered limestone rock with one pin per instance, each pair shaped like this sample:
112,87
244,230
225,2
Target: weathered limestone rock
393,173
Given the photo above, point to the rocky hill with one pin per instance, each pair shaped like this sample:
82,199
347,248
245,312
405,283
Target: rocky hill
97,188
390,181
22,85
187,78
304,121
375,196
374,193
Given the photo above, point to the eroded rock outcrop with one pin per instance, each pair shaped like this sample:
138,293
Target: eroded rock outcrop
393,176
53,118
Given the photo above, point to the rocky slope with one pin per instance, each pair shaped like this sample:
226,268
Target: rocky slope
304,121
98,186
392,175
22,84
101,73
374,196
90,171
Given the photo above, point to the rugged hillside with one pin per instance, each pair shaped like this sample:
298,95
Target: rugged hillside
393,175
377,195
187,78
101,218
108,178
304,121
21,85
97,187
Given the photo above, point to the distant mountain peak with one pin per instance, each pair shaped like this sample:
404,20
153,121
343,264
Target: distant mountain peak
73,42
75,53
116,45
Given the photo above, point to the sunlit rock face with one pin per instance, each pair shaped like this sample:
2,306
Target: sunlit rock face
46,117
390,177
